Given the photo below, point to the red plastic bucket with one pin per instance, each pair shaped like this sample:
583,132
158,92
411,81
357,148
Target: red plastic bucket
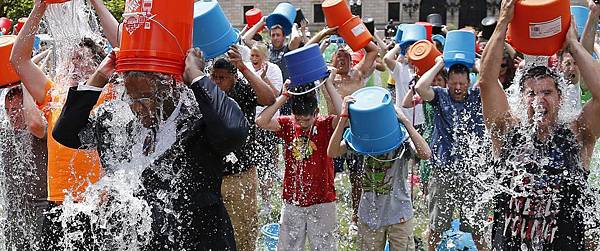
253,16
539,27
5,25
9,75
355,33
428,28
336,12
156,36
20,23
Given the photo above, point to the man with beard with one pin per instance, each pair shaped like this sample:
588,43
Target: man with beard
542,160
184,133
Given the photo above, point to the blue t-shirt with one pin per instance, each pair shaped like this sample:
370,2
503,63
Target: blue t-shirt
456,126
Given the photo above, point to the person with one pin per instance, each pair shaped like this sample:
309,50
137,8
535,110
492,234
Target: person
186,141
309,209
390,29
542,161
277,48
240,177
69,171
23,158
385,210
458,124
267,152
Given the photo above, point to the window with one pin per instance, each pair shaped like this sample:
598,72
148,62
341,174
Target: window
246,8
394,11
319,17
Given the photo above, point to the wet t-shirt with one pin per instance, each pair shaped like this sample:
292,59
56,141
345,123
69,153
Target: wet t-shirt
457,126
546,181
309,177
386,193
243,158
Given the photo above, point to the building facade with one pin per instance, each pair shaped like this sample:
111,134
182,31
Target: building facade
458,13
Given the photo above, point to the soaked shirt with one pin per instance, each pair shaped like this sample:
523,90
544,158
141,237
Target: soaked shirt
309,174
386,198
456,125
546,180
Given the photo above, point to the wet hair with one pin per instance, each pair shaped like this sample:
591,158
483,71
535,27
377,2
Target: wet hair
257,37
539,72
224,64
458,69
277,26
98,53
304,105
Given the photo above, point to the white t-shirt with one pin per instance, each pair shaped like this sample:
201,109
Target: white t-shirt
402,75
273,74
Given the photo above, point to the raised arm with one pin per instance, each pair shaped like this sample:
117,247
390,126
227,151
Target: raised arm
390,57
496,110
295,38
266,119
422,149
324,33
589,32
365,66
110,25
337,146
423,86
248,37
264,93
336,99
32,77
408,100
36,124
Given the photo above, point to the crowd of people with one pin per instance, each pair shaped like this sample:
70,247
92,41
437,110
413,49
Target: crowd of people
208,144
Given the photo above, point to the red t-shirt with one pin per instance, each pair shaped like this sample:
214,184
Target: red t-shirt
309,177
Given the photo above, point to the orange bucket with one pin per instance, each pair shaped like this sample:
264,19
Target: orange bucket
8,74
355,33
253,16
422,55
156,36
539,27
336,12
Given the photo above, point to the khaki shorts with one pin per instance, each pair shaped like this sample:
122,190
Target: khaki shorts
318,223
400,236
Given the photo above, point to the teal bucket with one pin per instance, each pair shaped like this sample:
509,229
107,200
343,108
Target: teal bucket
411,33
439,38
581,15
374,127
270,233
213,32
305,65
284,14
459,48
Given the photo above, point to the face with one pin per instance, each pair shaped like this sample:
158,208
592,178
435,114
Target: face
543,100
306,121
504,67
342,62
256,58
458,85
223,78
439,81
569,68
277,37
144,91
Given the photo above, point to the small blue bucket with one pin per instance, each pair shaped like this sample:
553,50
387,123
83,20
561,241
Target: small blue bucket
581,14
270,233
439,38
213,32
284,14
454,239
374,127
459,48
305,65
411,33
336,39
398,36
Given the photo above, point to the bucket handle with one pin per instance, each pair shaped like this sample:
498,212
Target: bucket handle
151,18
390,160
311,89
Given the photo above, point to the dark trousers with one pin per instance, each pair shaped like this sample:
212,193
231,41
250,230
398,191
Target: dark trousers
54,232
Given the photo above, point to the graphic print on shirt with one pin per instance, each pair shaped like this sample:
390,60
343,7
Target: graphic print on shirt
375,179
303,148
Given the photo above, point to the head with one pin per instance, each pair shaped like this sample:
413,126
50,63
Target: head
305,109
540,91
569,68
440,79
458,81
342,61
507,70
277,36
85,58
224,74
149,91
258,54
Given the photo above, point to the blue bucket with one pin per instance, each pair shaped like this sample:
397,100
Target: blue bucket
459,48
336,39
270,233
439,38
213,32
374,127
398,36
454,239
411,33
284,14
581,15
305,65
